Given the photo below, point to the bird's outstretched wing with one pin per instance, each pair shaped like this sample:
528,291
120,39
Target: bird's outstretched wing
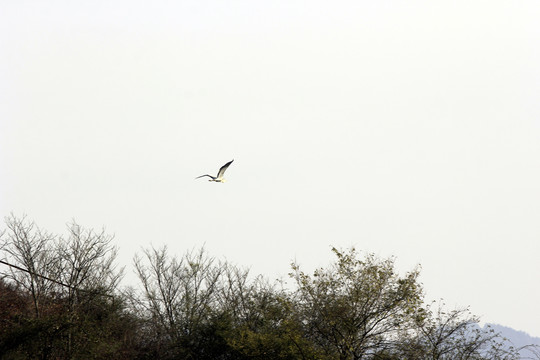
223,168
210,176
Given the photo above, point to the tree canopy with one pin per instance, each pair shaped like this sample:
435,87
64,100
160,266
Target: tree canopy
60,298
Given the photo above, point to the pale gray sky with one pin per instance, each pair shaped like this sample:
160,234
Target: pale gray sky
404,128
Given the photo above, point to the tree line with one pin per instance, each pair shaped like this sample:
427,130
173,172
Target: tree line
61,298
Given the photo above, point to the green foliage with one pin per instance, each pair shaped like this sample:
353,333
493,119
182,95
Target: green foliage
356,307
272,331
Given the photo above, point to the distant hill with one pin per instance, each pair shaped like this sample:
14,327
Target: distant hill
517,338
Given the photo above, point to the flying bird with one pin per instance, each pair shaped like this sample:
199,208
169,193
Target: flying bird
219,177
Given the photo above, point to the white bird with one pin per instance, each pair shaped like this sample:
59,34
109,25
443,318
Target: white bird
219,177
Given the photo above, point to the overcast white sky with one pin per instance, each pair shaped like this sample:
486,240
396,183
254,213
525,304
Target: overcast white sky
403,128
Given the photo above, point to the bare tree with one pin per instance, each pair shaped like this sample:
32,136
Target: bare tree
26,246
530,352
88,261
179,294
455,335
69,279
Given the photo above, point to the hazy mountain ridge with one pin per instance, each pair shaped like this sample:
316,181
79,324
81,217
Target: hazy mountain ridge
518,338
